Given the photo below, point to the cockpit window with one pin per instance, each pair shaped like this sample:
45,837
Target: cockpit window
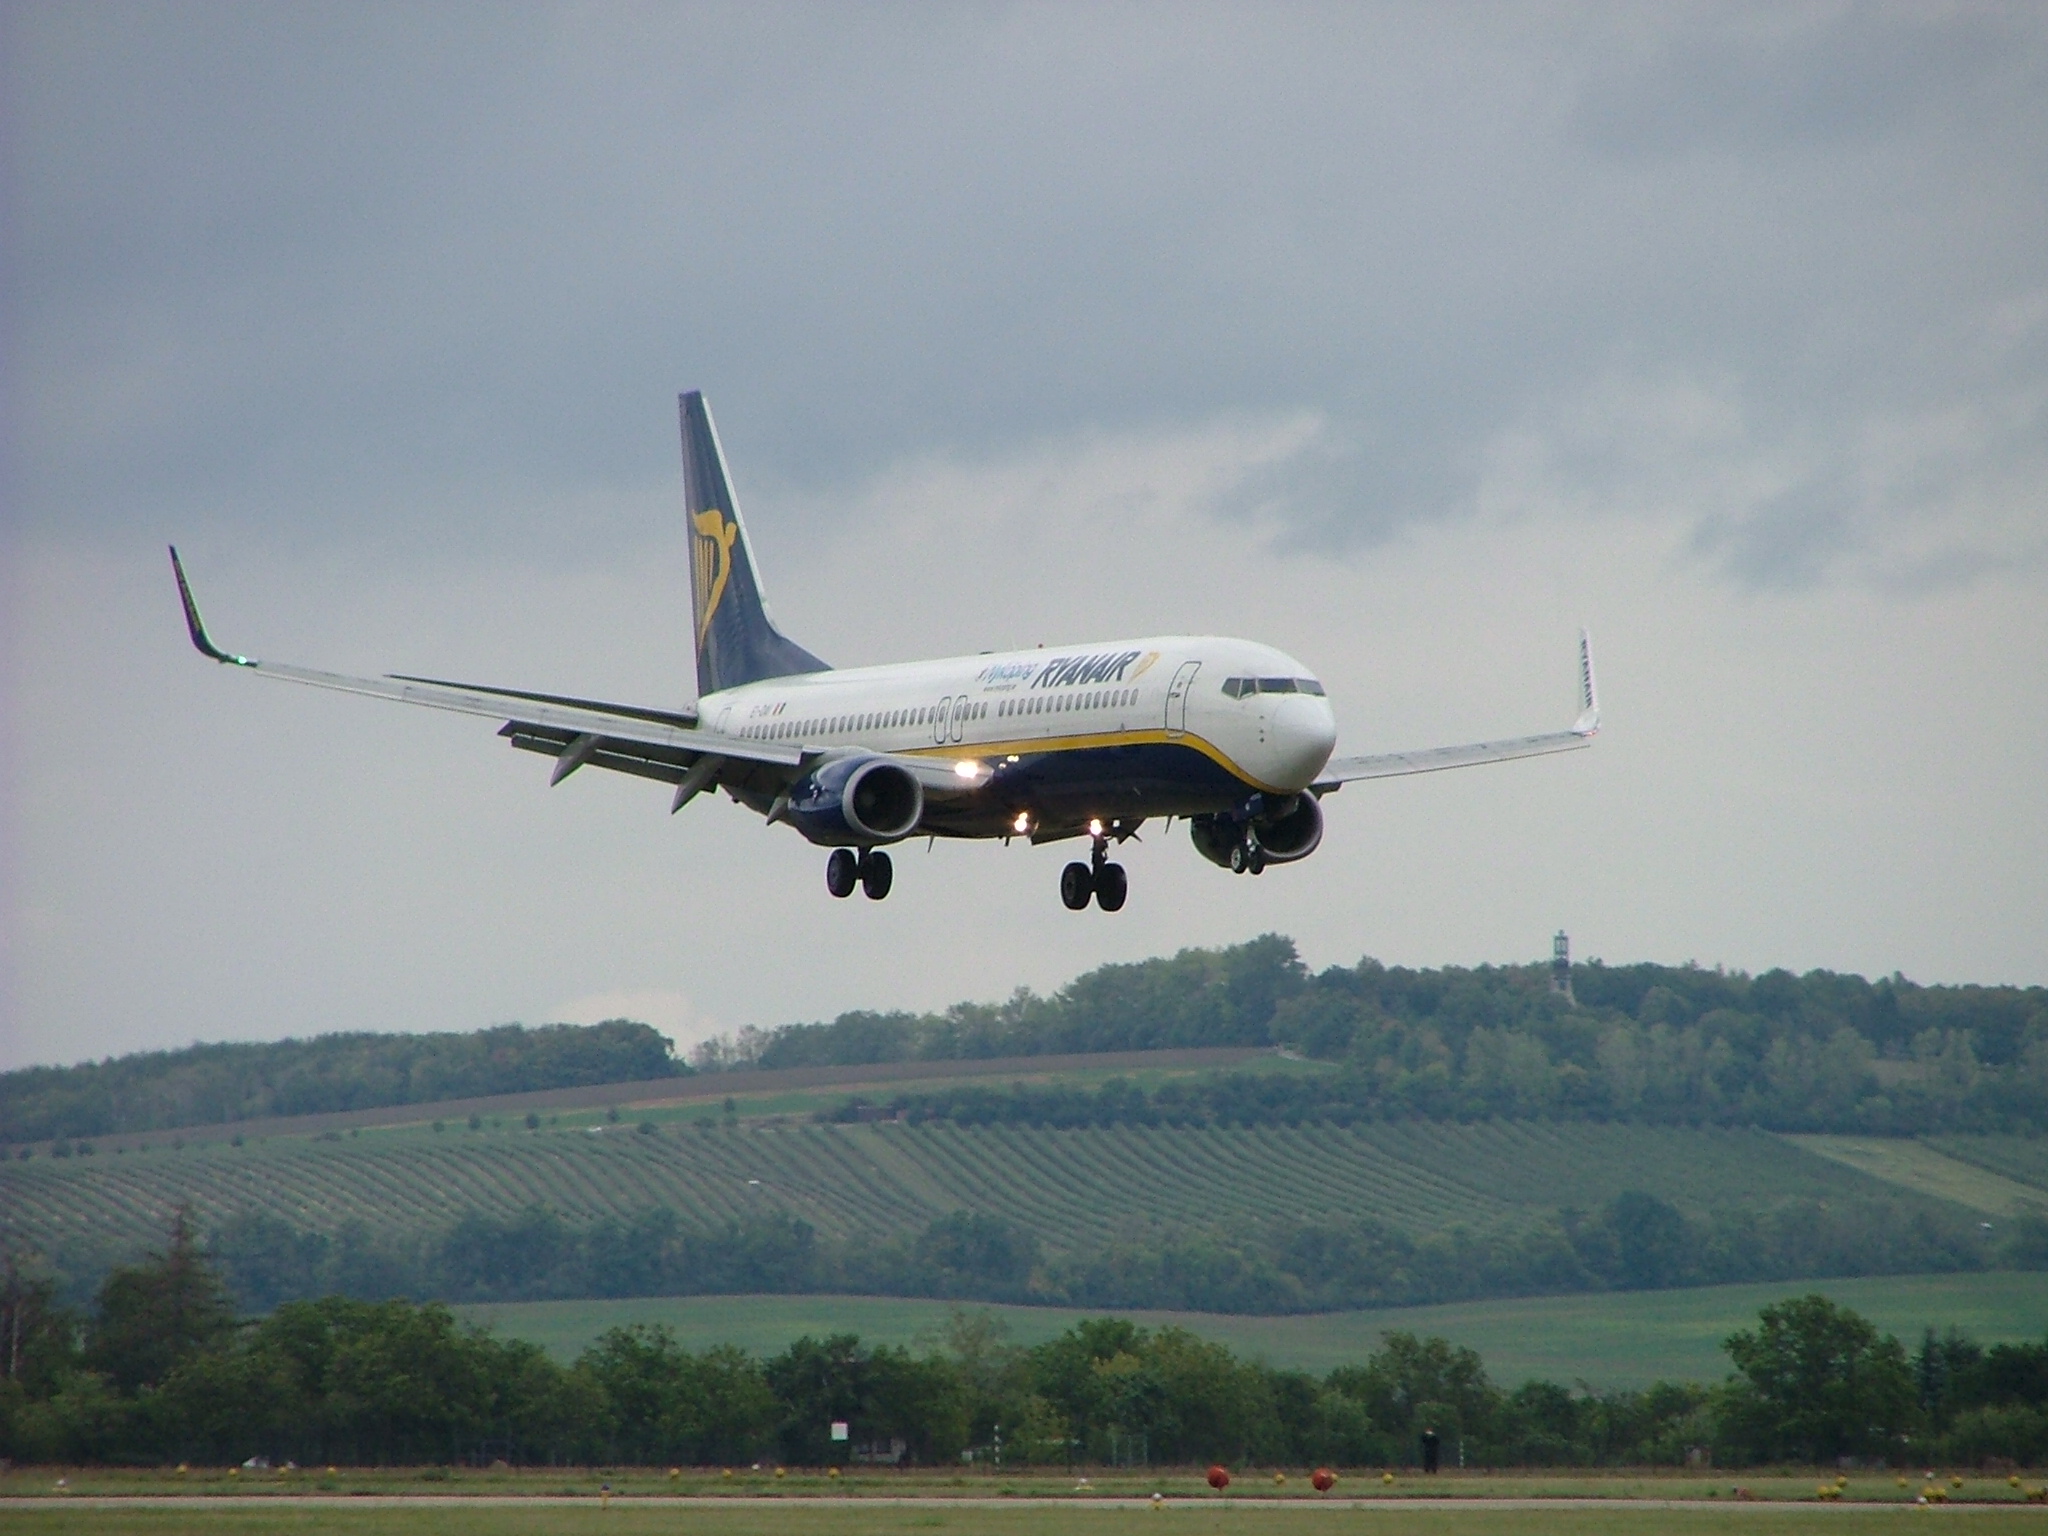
1245,687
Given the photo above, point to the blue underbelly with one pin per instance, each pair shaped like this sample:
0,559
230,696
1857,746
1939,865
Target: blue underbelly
1067,788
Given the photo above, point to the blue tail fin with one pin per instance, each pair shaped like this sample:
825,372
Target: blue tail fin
736,640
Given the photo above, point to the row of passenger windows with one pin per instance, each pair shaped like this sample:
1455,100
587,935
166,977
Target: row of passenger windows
1056,703
870,720
1245,687
889,719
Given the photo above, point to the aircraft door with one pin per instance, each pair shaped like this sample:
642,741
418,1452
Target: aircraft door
1177,698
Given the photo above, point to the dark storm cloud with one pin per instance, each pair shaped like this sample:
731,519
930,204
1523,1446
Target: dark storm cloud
302,267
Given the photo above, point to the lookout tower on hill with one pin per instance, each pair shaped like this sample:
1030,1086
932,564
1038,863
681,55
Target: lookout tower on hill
1561,967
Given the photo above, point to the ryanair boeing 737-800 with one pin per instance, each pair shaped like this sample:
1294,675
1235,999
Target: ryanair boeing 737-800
1081,741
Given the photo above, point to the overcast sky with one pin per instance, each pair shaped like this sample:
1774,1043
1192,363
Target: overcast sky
1406,338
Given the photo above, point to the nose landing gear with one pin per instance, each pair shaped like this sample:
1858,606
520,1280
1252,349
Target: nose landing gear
1099,878
870,869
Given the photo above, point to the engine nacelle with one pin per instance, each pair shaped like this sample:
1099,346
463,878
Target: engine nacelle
1214,837
1295,834
856,801
1292,830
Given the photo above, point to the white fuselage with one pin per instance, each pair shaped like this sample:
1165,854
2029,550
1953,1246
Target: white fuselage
1124,728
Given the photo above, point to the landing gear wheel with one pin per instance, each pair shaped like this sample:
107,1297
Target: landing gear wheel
1257,862
1240,859
877,874
842,872
1077,884
1112,885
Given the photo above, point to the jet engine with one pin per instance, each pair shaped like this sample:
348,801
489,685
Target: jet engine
1294,834
1280,833
856,801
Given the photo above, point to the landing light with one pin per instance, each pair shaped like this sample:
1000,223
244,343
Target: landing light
1023,821
1095,829
967,769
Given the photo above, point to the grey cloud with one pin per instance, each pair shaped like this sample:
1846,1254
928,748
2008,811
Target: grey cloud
306,269
1792,78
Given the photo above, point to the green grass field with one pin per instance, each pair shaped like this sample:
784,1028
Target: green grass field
999,1502
1609,1340
1929,1169
1067,1518
2023,1159
1073,1188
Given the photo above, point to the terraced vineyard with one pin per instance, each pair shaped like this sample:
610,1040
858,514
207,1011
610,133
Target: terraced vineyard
1074,1188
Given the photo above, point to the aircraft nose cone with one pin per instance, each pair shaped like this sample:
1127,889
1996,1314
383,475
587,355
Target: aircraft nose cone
1304,730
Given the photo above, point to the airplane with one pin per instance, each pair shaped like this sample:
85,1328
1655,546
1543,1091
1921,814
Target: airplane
1074,741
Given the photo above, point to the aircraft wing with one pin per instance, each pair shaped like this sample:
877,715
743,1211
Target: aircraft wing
656,744
1342,770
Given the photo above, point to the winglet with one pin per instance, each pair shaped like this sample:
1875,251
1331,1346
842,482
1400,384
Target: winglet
197,625
1588,723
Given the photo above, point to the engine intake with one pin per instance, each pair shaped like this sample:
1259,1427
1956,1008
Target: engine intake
1294,834
1281,833
856,801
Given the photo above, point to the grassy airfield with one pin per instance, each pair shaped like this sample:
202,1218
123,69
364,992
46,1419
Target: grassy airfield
770,1519
439,1501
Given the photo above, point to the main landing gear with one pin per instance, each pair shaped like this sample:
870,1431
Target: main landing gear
870,869
1106,882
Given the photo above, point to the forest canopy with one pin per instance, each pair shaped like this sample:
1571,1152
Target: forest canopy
1673,1044
216,1084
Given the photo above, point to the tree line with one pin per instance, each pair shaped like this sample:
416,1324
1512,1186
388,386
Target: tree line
160,1368
1672,1044
215,1084
1675,1045
1635,1241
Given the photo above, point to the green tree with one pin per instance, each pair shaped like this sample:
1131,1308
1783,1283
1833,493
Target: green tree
1413,1383
149,1317
38,1338
730,1413
647,1380
1653,1243
1817,1381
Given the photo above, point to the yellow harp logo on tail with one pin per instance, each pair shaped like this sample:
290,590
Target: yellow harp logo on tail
713,566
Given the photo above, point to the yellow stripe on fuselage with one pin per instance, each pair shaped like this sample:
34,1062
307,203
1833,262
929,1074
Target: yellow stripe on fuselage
1038,746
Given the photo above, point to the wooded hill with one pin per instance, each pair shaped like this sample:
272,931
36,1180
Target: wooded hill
1662,1044
220,1084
